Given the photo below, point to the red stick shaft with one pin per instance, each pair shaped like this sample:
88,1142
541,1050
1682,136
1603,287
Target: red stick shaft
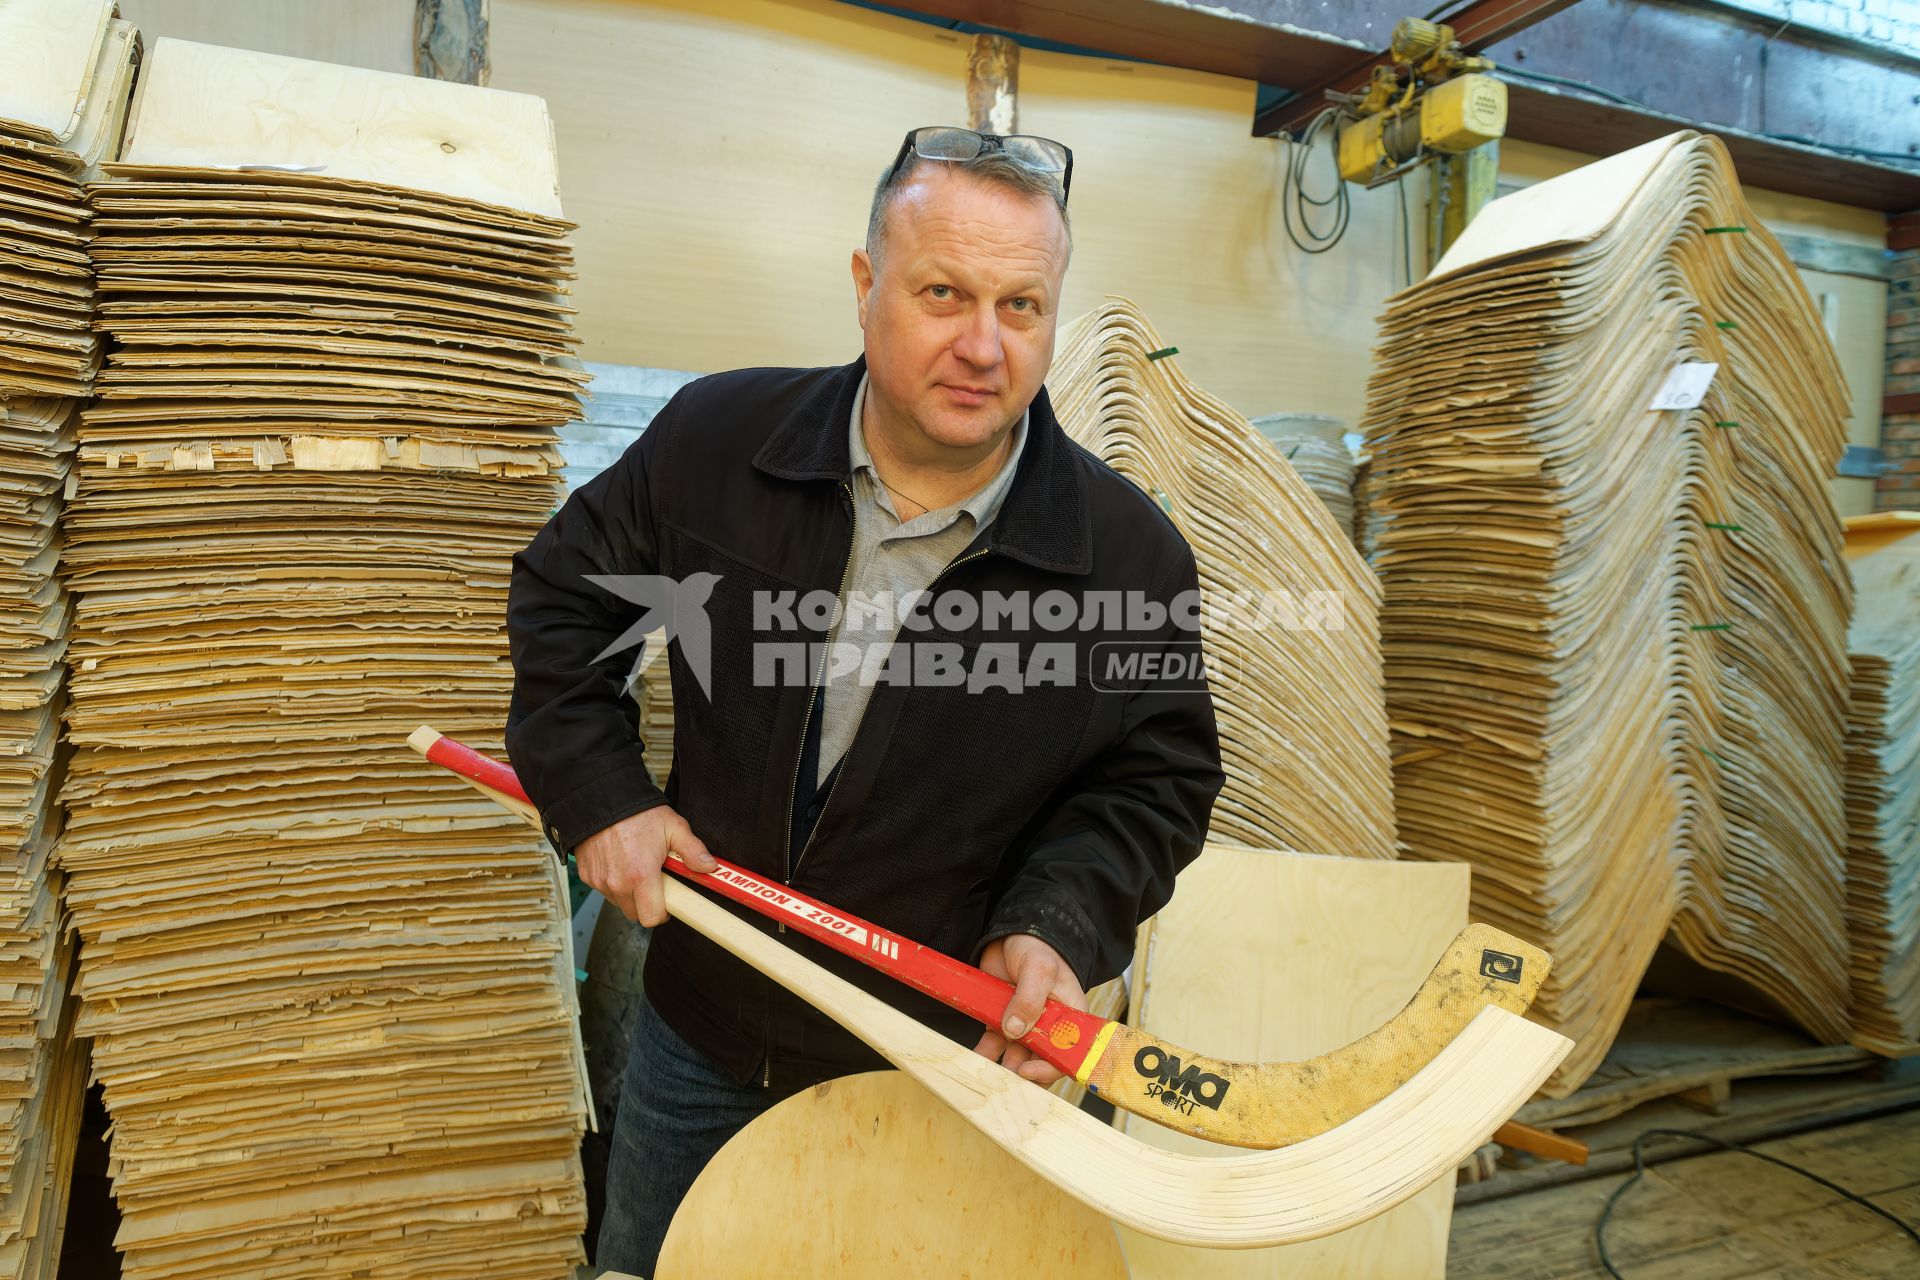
1061,1036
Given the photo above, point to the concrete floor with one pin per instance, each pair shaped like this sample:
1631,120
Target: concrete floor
1716,1217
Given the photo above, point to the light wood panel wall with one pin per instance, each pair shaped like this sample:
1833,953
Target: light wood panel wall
377,34
721,167
720,159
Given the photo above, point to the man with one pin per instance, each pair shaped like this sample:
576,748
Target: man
961,752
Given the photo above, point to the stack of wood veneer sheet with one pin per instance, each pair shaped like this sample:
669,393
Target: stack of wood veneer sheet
1616,634
1303,734
65,71
1883,782
1315,445
329,986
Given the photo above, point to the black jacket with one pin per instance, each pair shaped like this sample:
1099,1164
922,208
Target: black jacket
1062,810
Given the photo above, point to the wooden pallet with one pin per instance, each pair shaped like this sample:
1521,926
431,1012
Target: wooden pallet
1691,1051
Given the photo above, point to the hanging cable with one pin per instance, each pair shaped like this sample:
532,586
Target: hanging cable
1297,204
1406,233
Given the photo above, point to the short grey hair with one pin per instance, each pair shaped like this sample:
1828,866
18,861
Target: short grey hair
996,167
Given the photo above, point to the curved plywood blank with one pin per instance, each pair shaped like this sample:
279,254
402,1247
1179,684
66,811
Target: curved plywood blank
1315,446
896,1184
1883,782
1325,1184
48,51
1258,1104
1615,634
1303,735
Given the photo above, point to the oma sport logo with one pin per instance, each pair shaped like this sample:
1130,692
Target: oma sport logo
1500,966
1177,1086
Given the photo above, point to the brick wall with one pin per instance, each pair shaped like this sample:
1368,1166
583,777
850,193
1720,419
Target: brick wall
1900,432
1891,25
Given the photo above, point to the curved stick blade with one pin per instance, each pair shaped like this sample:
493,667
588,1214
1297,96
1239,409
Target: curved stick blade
1275,1104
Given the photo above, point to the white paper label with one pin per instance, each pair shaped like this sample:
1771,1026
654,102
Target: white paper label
1685,387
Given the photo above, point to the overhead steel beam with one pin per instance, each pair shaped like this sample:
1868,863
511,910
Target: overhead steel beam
1565,118
1226,39
1737,81
1477,26
1718,69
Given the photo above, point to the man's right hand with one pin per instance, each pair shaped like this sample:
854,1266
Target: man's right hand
623,862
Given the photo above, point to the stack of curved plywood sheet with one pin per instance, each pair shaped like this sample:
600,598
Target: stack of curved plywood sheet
65,71
1883,782
1303,733
1315,446
1615,633
329,988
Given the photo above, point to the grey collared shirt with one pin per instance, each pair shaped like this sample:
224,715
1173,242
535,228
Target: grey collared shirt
892,562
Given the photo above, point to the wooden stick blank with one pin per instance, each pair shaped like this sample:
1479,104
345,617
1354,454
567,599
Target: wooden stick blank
1326,1183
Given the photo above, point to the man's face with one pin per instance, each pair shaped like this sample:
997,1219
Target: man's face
960,316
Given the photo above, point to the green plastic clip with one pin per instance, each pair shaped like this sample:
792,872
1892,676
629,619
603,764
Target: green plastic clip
1726,324
1726,426
1163,353
579,975
1711,626
1721,231
1730,528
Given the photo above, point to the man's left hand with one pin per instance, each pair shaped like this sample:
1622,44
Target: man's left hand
1038,974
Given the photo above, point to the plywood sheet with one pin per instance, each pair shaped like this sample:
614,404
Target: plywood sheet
50,50
47,345
205,105
889,1172
39,1065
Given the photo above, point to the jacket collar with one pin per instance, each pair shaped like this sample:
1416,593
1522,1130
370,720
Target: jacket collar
1045,521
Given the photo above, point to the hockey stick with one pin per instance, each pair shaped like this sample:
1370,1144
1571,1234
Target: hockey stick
1261,1105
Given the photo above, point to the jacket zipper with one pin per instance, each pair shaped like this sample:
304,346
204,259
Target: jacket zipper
796,764
788,862
793,788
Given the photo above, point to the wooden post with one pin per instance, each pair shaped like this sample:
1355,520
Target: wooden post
993,84
450,40
1463,185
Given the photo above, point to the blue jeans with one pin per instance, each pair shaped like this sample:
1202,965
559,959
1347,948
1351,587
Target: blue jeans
677,1109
